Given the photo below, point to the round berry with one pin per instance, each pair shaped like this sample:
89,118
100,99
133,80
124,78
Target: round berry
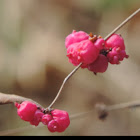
75,37
99,43
62,119
100,65
26,110
83,52
46,119
115,41
116,55
37,118
57,120
53,126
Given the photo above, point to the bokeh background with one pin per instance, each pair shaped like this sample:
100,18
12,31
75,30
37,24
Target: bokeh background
33,63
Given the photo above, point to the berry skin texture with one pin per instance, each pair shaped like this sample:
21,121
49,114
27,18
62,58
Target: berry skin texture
117,51
83,52
75,37
60,121
100,65
46,119
26,110
115,41
116,55
37,118
53,126
100,43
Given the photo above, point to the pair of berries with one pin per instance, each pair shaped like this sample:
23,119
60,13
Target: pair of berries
56,120
94,52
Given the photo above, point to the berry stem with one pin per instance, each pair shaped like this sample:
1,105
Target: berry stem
123,23
76,69
63,84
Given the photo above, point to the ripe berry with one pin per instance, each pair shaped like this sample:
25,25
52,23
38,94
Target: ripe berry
83,48
37,118
115,45
46,119
83,52
115,41
59,122
26,110
75,37
116,55
100,65
99,43
53,126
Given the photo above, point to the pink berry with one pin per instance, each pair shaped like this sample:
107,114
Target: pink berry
116,55
60,121
83,52
37,118
46,119
99,43
115,45
26,110
100,65
115,41
53,126
75,37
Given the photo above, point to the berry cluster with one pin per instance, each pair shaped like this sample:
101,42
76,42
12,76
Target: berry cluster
56,120
93,51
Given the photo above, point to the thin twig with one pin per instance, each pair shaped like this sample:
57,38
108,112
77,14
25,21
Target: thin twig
9,99
80,115
103,110
123,23
134,104
63,84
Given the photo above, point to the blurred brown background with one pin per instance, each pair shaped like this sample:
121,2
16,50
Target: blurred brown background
33,63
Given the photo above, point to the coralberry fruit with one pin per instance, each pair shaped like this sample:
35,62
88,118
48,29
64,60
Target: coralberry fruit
76,37
37,118
83,48
99,43
117,51
26,110
116,55
115,41
100,65
46,119
83,52
57,120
